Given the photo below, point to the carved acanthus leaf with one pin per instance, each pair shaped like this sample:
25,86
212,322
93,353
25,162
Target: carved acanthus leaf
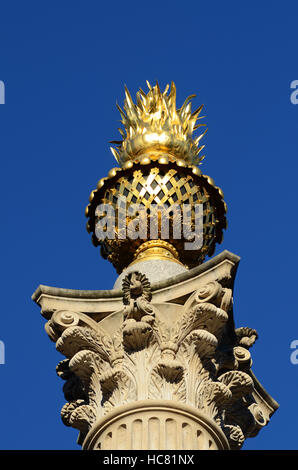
238,382
78,415
76,338
235,436
203,316
246,337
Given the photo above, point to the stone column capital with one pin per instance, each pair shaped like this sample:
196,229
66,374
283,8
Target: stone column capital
162,360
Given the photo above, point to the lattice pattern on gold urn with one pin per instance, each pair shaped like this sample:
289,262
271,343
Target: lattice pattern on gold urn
155,185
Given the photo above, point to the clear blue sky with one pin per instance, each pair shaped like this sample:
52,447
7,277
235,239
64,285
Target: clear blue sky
64,65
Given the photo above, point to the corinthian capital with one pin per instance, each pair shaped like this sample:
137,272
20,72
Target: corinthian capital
161,371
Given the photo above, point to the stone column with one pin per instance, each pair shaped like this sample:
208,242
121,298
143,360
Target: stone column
157,367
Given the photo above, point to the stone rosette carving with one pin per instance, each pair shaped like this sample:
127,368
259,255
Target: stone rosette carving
195,361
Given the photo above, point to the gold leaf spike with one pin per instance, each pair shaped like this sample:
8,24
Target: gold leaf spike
115,153
186,102
166,89
128,98
199,149
198,125
158,89
142,93
172,95
154,126
197,140
197,111
121,112
121,132
139,102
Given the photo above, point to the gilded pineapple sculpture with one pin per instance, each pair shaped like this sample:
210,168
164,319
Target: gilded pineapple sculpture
158,158
156,362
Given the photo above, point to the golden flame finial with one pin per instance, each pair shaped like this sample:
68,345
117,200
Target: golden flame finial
154,127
